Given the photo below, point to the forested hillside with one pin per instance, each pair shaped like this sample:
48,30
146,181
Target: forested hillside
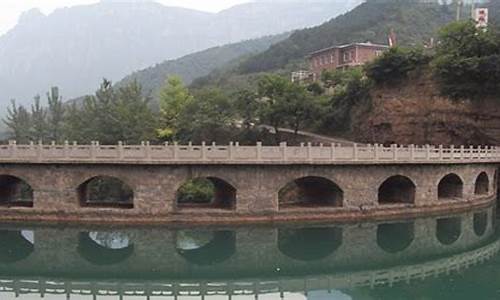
199,64
372,21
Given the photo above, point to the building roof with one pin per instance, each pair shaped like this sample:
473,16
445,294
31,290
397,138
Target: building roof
367,44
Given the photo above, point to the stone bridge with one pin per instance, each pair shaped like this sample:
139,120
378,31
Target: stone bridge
353,256
251,183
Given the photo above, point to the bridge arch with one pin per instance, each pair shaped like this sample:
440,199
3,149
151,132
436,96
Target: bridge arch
104,248
309,244
107,192
204,247
395,237
397,189
15,191
450,187
16,245
310,191
482,184
448,230
207,192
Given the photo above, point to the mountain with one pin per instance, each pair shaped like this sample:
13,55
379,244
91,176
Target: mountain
74,48
198,64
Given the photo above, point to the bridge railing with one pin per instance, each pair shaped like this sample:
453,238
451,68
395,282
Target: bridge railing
236,153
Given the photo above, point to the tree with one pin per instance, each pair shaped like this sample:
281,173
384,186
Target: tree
38,121
55,115
284,103
467,61
209,116
174,97
135,120
247,106
18,120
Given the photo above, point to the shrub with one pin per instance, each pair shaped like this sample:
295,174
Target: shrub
395,64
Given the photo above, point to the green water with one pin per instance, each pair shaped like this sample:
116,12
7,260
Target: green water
445,257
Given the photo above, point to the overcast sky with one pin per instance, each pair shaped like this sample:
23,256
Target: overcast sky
11,9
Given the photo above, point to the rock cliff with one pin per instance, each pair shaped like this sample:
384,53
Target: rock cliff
414,112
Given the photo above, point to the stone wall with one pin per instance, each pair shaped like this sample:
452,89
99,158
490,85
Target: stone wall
257,187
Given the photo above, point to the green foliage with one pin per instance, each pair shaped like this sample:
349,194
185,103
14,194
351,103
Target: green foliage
208,117
198,190
283,103
18,120
467,61
55,114
111,115
174,97
350,88
395,64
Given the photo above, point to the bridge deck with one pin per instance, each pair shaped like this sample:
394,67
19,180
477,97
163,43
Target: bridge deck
247,155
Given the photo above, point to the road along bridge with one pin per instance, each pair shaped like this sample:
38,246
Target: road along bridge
251,183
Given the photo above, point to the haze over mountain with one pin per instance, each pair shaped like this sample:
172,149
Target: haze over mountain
74,48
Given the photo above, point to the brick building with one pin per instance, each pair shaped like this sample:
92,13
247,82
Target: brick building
345,56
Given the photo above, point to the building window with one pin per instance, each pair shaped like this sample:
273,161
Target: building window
347,56
378,53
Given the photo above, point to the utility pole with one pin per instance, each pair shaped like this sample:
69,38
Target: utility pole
459,3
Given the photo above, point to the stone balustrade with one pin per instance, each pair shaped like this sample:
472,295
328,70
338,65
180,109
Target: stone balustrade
237,154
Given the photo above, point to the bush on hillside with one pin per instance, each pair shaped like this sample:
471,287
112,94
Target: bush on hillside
395,64
467,61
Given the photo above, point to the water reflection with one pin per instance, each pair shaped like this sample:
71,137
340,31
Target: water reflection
16,245
448,230
104,248
351,261
309,244
206,247
395,237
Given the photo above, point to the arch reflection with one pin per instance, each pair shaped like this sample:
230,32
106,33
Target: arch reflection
308,244
16,245
448,230
480,222
104,248
395,237
205,247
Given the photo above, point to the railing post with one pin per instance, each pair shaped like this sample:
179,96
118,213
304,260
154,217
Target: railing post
283,147
471,152
13,149
452,151
355,151
175,150
309,151
259,151
203,150
66,149
440,152
412,152
427,152
230,150
462,152
375,152
394,150
332,152
120,150
147,149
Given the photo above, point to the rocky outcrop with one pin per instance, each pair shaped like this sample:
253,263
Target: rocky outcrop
414,112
